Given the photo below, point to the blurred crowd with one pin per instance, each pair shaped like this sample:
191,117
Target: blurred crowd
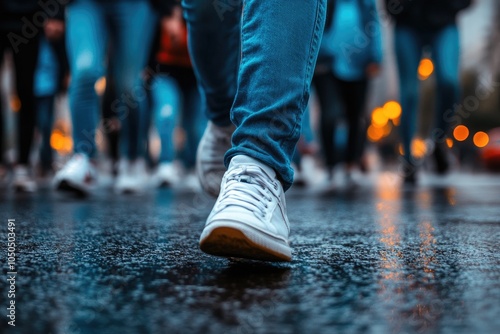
135,110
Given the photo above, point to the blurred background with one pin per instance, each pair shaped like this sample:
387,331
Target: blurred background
473,142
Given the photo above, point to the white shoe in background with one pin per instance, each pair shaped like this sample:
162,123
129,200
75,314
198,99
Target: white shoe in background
167,175
78,175
132,177
23,180
214,144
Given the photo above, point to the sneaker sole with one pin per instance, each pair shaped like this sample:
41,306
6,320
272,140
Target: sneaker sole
68,186
240,241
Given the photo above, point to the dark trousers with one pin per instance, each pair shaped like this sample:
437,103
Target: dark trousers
25,61
338,98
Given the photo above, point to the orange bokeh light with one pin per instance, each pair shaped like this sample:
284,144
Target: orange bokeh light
392,110
425,68
379,119
481,139
375,133
418,148
61,143
15,103
100,86
461,133
449,142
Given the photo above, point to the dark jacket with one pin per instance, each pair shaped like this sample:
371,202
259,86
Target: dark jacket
425,14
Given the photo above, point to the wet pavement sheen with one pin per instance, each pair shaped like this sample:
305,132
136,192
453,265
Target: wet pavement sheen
380,258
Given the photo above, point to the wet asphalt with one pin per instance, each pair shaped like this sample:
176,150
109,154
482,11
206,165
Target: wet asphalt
378,258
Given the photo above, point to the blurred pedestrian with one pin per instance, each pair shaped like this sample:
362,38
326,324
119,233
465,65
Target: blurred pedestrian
426,25
175,101
350,55
50,79
128,27
19,33
254,61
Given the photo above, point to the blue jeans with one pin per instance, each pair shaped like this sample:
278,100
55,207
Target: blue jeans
129,26
168,98
254,61
445,47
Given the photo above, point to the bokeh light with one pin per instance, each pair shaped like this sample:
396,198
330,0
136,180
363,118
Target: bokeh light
425,68
375,133
461,133
61,143
392,110
379,119
449,142
100,86
15,103
481,139
418,148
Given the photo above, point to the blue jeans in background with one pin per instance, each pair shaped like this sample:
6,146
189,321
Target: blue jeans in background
254,64
129,27
169,101
445,48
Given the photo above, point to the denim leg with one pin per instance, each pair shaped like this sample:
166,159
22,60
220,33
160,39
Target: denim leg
133,24
214,45
408,53
194,123
279,46
165,98
45,120
446,55
86,43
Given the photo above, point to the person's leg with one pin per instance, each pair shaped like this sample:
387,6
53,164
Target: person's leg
3,46
165,103
86,36
109,118
326,90
193,119
446,55
86,45
165,98
25,64
45,120
279,47
133,24
354,94
214,44
408,52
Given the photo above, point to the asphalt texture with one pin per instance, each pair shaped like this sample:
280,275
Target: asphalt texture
377,258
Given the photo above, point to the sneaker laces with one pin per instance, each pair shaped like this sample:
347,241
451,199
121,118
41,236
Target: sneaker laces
255,198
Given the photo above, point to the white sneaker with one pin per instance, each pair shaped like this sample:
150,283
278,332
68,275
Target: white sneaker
132,176
249,218
214,144
78,175
167,175
23,180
